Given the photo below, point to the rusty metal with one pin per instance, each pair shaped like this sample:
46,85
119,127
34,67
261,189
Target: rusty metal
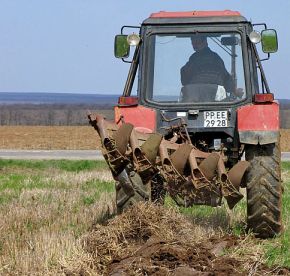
229,191
180,156
144,156
205,192
151,146
173,178
209,165
191,176
237,172
114,158
122,136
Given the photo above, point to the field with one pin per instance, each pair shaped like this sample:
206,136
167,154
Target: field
48,137
67,137
53,222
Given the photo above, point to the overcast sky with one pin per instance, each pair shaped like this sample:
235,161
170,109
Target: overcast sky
67,45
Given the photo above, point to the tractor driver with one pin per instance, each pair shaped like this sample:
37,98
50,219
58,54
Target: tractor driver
205,66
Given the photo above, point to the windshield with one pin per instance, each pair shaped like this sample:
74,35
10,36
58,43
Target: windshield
197,68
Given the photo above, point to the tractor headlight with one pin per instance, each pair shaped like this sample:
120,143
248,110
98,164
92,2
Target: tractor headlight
133,39
255,37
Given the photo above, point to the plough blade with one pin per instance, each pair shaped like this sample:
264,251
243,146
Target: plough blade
209,165
122,136
144,156
190,175
229,191
237,172
113,150
180,156
151,146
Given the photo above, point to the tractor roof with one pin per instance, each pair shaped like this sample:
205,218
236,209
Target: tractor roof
225,16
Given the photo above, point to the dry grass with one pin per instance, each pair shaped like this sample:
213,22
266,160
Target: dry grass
67,137
40,226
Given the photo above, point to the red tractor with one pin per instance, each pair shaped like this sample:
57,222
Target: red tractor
203,123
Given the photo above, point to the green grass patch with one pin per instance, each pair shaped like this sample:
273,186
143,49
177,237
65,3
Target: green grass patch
99,187
21,175
65,165
18,182
8,197
286,166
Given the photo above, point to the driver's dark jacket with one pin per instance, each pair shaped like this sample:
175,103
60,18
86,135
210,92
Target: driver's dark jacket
206,66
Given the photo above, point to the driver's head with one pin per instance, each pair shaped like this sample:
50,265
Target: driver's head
198,42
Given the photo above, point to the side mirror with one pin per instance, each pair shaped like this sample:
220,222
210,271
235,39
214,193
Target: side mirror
269,41
122,47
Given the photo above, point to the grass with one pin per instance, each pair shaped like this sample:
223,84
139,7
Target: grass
65,165
45,206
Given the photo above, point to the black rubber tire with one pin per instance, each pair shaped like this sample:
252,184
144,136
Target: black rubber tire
134,192
264,190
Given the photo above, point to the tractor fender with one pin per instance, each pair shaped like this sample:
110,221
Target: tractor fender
259,123
142,118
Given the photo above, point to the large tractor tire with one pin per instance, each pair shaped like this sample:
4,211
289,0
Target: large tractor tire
264,190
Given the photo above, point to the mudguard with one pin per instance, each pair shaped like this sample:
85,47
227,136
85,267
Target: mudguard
259,123
143,118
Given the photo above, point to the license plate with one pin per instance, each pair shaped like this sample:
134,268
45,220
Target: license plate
215,119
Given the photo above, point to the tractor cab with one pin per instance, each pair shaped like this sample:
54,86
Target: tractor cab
198,67
195,59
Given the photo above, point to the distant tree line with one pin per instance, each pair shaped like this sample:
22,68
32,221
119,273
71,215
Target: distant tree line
285,118
50,114
71,114
284,113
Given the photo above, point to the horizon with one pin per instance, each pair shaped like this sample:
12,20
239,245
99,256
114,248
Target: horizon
66,92
80,94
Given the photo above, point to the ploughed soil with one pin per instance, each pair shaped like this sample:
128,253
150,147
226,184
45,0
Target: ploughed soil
153,240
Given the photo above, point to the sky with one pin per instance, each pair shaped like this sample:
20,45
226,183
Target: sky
67,45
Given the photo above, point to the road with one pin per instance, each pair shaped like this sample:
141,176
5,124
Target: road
68,154
52,154
285,156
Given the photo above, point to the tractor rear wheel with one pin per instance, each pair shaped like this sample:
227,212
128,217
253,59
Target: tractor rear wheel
264,190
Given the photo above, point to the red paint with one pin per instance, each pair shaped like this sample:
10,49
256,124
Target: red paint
164,14
143,118
259,117
128,101
263,98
